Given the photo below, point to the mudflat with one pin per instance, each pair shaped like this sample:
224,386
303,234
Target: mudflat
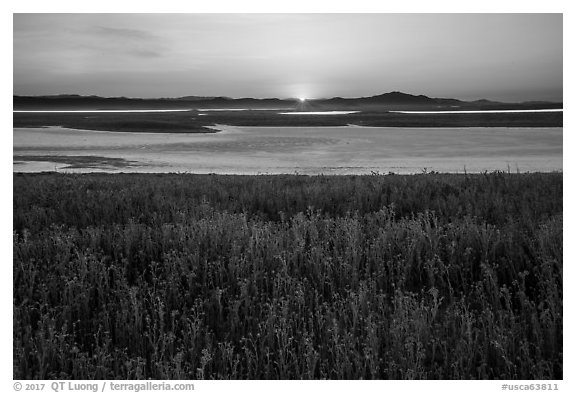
307,150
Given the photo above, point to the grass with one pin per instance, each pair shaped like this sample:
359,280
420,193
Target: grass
191,122
261,277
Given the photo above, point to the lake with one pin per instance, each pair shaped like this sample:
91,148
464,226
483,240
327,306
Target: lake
305,150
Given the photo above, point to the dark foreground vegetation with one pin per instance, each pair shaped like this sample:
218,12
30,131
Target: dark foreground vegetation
200,276
200,122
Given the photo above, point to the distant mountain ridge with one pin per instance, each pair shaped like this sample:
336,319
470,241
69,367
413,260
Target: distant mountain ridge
387,101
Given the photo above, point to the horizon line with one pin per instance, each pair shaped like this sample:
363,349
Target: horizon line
285,98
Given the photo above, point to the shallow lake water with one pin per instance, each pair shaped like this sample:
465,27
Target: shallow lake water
305,150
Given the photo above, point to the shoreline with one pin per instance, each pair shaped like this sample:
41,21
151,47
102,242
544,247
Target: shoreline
224,128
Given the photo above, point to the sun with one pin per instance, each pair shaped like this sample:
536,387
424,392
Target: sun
302,99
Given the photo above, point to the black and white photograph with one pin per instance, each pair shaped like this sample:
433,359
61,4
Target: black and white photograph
287,196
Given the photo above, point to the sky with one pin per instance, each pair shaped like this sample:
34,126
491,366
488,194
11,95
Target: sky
505,57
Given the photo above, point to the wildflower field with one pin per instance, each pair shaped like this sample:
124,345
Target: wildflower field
180,276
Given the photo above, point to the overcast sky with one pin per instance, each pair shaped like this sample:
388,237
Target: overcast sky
507,57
